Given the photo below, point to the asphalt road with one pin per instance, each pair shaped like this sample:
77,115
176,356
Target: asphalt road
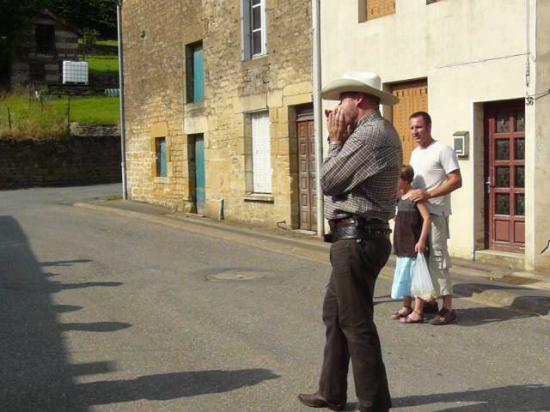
109,313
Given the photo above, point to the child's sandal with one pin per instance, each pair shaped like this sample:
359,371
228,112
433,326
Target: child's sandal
399,314
408,319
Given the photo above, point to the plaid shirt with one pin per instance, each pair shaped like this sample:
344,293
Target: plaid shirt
360,177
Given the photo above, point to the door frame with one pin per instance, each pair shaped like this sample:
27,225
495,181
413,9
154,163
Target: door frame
490,110
304,113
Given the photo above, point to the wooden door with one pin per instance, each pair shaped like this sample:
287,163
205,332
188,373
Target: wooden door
505,175
306,171
413,97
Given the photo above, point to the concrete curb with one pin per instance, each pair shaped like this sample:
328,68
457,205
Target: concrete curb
478,283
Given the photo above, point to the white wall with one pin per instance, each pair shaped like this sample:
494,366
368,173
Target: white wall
471,51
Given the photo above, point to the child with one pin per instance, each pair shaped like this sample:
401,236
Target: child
411,231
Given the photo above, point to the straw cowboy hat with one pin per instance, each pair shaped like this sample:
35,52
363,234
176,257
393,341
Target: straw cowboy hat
364,82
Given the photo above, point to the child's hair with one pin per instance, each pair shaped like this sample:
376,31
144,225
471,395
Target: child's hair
407,173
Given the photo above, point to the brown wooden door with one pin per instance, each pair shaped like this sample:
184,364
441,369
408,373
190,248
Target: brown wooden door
505,175
306,171
413,97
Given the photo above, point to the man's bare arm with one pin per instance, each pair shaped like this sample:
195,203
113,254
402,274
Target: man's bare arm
453,182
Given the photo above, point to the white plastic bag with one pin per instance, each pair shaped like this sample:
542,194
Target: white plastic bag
422,286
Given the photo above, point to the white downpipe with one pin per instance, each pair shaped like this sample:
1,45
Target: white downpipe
121,85
318,112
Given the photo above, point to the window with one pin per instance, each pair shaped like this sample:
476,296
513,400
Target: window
254,28
371,9
195,72
45,38
261,152
161,157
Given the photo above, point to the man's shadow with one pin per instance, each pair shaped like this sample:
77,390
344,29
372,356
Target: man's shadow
506,399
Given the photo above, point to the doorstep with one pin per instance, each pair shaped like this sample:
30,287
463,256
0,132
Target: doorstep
509,260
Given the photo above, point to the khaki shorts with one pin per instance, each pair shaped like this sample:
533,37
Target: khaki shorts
440,261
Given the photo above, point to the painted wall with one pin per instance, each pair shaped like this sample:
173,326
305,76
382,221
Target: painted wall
540,225
470,51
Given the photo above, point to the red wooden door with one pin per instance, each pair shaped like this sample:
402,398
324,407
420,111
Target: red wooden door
306,171
505,184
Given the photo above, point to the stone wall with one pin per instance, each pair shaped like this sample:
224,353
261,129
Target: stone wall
154,49
66,162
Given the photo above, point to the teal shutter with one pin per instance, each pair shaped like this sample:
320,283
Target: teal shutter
163,159
198,74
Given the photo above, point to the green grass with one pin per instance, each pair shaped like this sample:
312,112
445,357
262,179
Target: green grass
90,110
107,43
32,120
102,64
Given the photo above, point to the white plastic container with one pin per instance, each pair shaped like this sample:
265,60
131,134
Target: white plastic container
75,72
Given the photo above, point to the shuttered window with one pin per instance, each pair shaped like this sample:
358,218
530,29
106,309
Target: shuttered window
413,97
161,157
371,9
261,152
195,72
254,33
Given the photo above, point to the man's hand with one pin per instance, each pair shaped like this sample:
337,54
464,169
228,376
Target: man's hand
338,130
418,195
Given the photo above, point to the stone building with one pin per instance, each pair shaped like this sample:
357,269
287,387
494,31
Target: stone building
42,46
218,108
482,70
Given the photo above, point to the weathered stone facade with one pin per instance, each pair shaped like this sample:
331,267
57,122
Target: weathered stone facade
155,39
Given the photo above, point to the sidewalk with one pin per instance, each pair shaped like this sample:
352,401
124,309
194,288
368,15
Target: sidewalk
487,284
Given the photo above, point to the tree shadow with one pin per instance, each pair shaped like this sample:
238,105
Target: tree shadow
63,262
55,286
169,386
35,371
95,326
512,398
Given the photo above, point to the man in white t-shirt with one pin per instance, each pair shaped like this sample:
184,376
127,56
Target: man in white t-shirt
436,175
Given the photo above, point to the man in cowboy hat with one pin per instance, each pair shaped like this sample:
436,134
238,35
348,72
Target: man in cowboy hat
359,179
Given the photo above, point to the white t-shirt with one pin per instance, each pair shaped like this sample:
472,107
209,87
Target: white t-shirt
431,166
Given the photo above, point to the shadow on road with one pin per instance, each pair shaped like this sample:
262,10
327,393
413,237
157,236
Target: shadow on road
506,399
522,307
35,373
35,370
171,385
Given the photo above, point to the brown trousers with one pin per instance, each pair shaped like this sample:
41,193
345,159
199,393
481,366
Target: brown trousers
348,313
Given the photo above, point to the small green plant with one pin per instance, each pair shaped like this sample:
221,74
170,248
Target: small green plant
89,39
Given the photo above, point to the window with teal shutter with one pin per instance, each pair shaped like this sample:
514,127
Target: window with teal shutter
162,157
195,73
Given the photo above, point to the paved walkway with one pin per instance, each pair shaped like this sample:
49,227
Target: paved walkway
484,283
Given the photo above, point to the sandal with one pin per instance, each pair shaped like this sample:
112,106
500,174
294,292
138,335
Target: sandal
399,314
408,318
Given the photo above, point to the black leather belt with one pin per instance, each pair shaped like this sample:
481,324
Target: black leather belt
357,227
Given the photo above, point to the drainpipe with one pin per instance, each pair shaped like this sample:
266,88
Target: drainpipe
318,112
121,86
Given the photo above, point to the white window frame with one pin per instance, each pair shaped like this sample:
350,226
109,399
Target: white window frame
247,31
261,152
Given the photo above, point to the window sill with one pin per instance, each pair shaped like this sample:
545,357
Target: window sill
258,197
256,58
158,179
